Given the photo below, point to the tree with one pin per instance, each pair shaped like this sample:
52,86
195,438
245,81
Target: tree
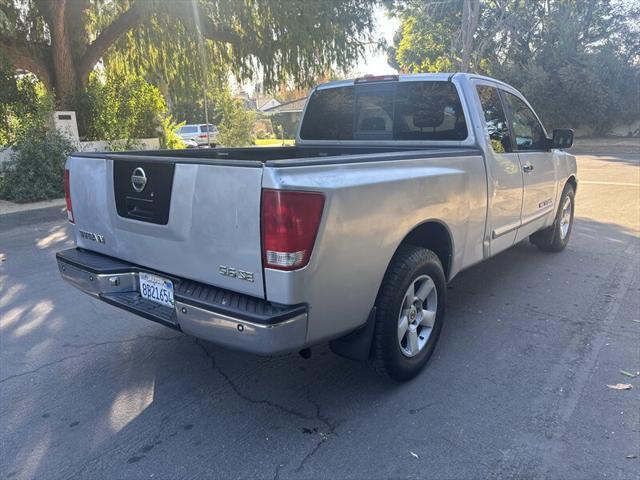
435,36
578,62
61,41
233,121
21,102
122,106
468,25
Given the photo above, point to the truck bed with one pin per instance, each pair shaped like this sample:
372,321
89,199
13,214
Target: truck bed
285,156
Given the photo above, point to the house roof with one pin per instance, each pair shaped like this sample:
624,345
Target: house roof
268,104
291,106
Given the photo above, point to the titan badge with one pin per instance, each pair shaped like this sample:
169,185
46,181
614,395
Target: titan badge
94,237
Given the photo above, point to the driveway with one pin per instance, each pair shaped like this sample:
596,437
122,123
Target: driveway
517,387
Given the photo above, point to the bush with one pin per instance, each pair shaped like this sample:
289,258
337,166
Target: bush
285,125
169,138
36,168
122,107
234,122
263,135
23,104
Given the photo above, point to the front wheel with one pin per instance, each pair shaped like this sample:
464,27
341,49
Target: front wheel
556,237
409,313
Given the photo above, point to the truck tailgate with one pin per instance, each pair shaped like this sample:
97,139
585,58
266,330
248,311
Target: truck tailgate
199,221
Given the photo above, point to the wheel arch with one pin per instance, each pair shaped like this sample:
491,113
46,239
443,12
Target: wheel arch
432,234
436,236
573,181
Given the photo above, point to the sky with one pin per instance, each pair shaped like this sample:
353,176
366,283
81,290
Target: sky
375,62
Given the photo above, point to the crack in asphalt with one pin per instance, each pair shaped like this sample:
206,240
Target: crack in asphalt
124,340
276,476
324,437
126,446
82,354
43,366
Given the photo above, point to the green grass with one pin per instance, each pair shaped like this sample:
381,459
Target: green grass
273,142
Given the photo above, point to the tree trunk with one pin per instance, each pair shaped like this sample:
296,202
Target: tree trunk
470,17
65,78
64,66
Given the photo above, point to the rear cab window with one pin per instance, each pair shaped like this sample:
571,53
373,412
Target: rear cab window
329,115
428,111
415,110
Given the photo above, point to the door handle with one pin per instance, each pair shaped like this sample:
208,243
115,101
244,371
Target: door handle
527,168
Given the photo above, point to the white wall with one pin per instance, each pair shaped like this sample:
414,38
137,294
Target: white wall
5,154
616,131
102,145
97,146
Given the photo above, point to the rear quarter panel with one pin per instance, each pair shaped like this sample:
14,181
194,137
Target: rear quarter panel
369,209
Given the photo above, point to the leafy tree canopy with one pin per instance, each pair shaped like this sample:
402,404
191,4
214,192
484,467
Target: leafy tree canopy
61,41
577,61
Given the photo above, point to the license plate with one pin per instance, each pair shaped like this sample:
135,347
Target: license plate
156,289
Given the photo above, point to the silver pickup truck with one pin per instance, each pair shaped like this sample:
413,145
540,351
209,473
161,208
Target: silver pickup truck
395,184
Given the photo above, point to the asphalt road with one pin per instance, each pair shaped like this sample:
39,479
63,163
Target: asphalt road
517,387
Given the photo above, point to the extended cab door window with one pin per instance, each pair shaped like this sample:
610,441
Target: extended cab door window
495,118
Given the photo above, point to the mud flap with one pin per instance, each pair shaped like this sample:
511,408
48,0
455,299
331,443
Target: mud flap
357,344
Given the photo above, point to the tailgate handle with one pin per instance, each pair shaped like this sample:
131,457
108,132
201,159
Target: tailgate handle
140,208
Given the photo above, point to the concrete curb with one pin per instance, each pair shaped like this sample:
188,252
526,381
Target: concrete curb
32,216
10,207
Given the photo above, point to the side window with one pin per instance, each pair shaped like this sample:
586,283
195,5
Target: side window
495,119
526,127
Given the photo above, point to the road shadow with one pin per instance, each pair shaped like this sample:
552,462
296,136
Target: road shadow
630,158
89,391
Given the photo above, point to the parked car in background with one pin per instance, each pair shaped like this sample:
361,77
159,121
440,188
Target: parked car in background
188,143
395,185
198,133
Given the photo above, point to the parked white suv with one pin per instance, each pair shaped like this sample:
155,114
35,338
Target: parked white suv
198,133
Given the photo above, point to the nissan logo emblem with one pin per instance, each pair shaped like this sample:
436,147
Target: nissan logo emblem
138,180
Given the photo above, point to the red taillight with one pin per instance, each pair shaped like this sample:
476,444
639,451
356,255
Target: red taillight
290,223
67,197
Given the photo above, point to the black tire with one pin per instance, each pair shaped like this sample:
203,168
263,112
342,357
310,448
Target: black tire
550,239
407,265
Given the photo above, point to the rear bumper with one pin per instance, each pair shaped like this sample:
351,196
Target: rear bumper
220,316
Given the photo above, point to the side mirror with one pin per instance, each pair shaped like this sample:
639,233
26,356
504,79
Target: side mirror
562,138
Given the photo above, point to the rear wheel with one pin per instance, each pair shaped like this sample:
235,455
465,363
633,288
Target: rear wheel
556,237
409,313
